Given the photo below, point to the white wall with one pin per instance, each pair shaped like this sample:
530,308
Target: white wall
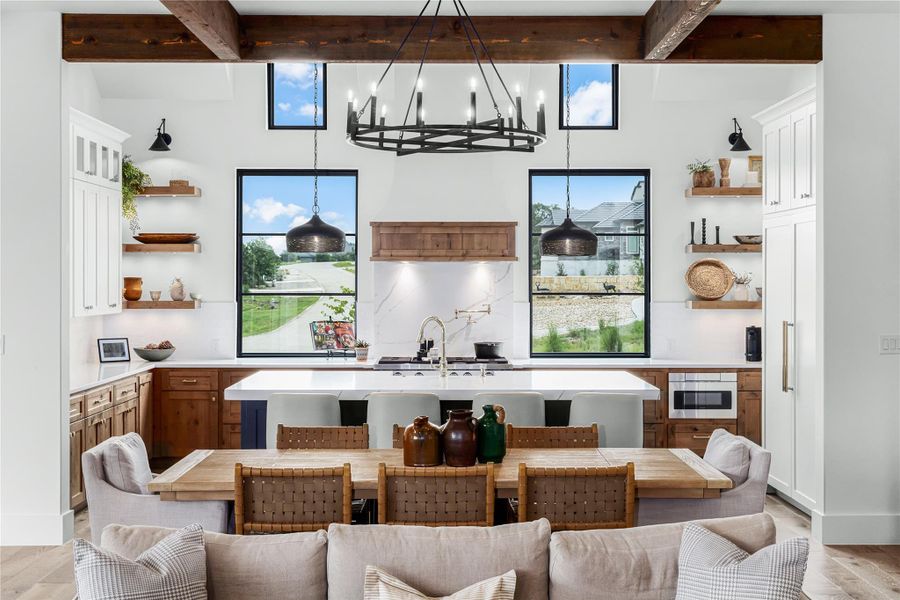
859,211
662,128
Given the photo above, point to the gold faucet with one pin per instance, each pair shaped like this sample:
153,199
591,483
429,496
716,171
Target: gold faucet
442,365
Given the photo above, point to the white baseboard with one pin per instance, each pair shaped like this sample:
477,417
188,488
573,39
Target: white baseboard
37,530
856,529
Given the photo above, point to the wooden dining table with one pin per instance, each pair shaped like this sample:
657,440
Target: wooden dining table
659,472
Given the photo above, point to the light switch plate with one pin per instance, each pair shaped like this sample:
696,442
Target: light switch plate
890,344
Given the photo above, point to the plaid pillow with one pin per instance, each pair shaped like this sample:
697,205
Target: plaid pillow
712,568
173,569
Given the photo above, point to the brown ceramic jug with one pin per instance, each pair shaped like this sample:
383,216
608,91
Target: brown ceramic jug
421,444
458,434
132,290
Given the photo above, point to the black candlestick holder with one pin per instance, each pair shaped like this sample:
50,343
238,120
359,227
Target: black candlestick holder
692,233
703,231
717,235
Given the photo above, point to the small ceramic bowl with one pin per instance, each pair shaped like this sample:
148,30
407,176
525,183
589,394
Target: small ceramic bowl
196,297
155,295
154,354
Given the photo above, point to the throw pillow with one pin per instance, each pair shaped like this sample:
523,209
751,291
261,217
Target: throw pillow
126,465
173,569
712,568
381,586
730,456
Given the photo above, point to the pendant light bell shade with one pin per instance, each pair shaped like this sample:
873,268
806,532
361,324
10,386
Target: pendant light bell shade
736,139
568,239
163,139
315,236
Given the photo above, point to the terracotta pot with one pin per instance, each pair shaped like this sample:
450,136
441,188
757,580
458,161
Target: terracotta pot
704,179
132,290
458,435
421,444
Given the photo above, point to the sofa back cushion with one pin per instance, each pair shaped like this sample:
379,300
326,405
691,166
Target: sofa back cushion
125,463
639,563
247,567
438,561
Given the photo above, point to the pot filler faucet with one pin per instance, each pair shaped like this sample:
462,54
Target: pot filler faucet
442,365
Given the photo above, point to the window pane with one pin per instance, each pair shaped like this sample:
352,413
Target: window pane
604,204
292,95
614,269
276,203
595,324
267,266
281,324
592,89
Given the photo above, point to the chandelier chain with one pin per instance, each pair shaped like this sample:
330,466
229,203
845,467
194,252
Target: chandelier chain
568,144
315,208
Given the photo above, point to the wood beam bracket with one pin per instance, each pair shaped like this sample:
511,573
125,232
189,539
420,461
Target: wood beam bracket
668,22
215,23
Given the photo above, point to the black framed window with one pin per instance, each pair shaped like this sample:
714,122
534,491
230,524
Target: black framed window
594,94
280,293
291,98
594,306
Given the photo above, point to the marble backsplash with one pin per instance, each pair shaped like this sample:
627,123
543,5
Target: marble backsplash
406,293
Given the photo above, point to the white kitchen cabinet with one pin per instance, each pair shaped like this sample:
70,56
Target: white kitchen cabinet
95,209
789,152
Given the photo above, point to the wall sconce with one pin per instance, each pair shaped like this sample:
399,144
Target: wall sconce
163,139
736,139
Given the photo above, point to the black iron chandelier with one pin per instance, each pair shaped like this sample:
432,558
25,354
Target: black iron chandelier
315,235
567,238
492,135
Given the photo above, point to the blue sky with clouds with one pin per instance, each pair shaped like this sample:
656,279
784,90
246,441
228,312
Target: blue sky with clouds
275,203
591,92
293,93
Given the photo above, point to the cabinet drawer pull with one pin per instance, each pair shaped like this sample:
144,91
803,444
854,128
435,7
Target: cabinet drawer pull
188,381
213,398
113,305
91,307
701,437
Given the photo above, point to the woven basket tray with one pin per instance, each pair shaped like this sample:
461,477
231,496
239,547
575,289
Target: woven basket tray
709,279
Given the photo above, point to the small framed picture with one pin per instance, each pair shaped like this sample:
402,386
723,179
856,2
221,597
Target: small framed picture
113,350
755,163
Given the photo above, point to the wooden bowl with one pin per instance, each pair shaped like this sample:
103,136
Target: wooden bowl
748,239
166,238
709,279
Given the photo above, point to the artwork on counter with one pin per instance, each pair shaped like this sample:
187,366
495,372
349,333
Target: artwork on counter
113,350
332,335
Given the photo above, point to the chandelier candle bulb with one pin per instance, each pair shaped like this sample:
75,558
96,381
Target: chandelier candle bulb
472,106
518,108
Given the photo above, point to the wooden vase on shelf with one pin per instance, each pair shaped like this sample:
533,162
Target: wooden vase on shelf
703,179
421,444
725,166
132,290
458,437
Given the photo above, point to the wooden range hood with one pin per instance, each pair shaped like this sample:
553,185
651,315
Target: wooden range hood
443,241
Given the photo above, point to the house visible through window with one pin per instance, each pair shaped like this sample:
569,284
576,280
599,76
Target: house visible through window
593,94
291,96
282,296
594,305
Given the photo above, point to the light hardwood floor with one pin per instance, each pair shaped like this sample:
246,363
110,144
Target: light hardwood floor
834,572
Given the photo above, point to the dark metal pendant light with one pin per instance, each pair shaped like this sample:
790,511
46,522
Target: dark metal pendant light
568,239
736,139
315,235
163,139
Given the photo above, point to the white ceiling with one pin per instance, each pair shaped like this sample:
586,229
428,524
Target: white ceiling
475,7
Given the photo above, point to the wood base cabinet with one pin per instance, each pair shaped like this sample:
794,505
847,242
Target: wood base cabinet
694,435
186,412
76,447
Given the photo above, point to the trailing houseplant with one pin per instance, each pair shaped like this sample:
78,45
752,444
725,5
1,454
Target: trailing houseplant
702,173
133,182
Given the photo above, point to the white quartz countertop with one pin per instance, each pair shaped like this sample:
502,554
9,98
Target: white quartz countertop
555,385
89,375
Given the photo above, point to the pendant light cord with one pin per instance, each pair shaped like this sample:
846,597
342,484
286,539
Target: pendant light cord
568,144
315,209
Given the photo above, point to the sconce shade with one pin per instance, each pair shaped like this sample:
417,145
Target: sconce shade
160,144
737,142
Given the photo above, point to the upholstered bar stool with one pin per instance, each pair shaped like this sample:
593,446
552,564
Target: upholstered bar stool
524,409
620,417
384,409
309,410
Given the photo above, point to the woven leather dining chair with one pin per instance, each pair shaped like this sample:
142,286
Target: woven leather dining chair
269,500
436,496
577,498
552,437
326,438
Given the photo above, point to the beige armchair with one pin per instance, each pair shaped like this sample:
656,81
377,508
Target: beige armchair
108,504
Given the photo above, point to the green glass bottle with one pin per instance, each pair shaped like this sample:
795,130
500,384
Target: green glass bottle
491,434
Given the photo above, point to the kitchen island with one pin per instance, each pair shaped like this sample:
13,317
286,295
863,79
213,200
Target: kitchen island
455,391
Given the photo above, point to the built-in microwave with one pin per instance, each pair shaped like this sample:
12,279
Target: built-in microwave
702,395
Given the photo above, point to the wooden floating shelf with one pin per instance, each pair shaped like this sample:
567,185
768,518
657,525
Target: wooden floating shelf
724,304
716,192
166,304
716,248
194,248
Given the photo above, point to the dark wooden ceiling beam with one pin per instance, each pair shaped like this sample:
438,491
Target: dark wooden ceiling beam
213,22
668,23
336,39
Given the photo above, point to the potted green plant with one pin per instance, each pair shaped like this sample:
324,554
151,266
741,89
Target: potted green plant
133,183
702,173
362,350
